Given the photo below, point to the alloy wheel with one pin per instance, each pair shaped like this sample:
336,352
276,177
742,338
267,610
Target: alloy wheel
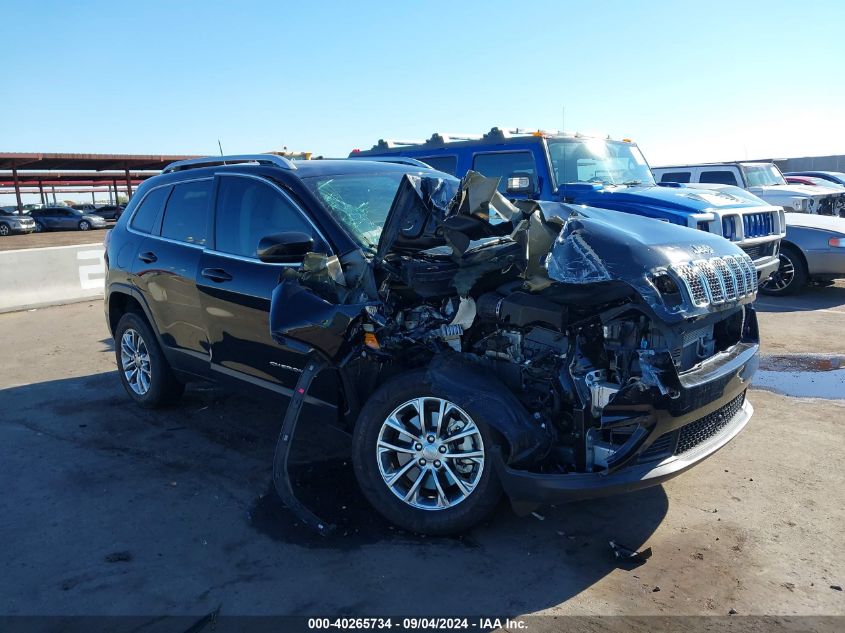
84,226
430,453
135,361
782,277
4,230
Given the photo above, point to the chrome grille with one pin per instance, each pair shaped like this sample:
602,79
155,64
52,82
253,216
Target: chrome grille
727,276
718,280
738,272
714,283
694,283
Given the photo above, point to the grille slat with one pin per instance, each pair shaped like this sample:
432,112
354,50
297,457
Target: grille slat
718,280
758,224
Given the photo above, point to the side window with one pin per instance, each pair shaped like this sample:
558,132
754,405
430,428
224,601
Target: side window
447,164
145,217
719,177
186,213
249,209
675,176
503,164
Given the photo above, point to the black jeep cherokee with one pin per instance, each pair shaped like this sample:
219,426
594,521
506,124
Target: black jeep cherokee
470,345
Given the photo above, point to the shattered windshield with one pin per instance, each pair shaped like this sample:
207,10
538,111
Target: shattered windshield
762,175
598,160
360,202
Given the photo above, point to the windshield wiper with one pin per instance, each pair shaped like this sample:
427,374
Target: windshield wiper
630,183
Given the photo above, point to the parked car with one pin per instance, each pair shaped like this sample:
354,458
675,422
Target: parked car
836,177
812,251
598,172
469,345
84,207
764,180
65,219
812,181
11,221
109,211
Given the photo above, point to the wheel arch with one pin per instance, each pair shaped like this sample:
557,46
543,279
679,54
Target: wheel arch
124,299
793,246
475,386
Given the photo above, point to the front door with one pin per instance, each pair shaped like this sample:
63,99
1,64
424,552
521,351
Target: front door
235,286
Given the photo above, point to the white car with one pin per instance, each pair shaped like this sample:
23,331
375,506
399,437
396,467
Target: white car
764,180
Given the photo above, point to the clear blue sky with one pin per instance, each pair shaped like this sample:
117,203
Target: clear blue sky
687,80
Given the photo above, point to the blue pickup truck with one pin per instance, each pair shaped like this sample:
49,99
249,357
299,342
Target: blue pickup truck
599,172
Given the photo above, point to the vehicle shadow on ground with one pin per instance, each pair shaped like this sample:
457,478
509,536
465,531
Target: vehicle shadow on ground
219,440
808,299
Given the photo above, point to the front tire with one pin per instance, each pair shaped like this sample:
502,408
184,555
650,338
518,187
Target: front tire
144,371
790,277
4,230
84,226
434,477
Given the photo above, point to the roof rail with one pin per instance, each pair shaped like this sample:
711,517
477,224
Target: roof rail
208,161
399,160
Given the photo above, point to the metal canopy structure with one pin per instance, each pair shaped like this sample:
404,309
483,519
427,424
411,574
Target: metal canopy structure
18,170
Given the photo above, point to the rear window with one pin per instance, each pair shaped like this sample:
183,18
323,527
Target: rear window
446,164
186,214
503,164
675,176
145,217
718,177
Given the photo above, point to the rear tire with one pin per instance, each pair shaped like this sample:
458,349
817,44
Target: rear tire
39,228
144,371
790,277
435,489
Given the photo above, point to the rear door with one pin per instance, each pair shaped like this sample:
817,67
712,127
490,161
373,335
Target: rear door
175,222
235,286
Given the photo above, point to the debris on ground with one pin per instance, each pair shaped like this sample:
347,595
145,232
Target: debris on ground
836,587
733,612
655,590
628,556
119,557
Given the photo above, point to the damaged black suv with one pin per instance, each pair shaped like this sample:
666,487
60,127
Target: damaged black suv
471,346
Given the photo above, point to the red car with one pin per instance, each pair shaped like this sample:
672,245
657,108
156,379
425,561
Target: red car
812,181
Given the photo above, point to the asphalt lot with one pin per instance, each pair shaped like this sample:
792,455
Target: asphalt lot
111,509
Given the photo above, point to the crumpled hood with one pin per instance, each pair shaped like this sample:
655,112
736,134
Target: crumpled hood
598,245
680,198
626,241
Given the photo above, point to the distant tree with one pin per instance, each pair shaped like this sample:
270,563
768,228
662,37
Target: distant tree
122,199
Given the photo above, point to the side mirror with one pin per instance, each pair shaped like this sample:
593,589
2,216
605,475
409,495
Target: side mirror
520,182
285,248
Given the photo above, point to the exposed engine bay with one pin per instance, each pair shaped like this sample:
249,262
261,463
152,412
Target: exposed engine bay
590,335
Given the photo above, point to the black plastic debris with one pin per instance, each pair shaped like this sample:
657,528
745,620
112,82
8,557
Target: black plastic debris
627,557
119,557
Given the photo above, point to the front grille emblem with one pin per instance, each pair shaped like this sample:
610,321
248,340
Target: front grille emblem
701,249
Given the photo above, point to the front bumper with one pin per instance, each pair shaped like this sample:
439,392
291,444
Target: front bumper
672,435
22,230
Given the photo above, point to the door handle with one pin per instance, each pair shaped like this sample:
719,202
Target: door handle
217,275
149,257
